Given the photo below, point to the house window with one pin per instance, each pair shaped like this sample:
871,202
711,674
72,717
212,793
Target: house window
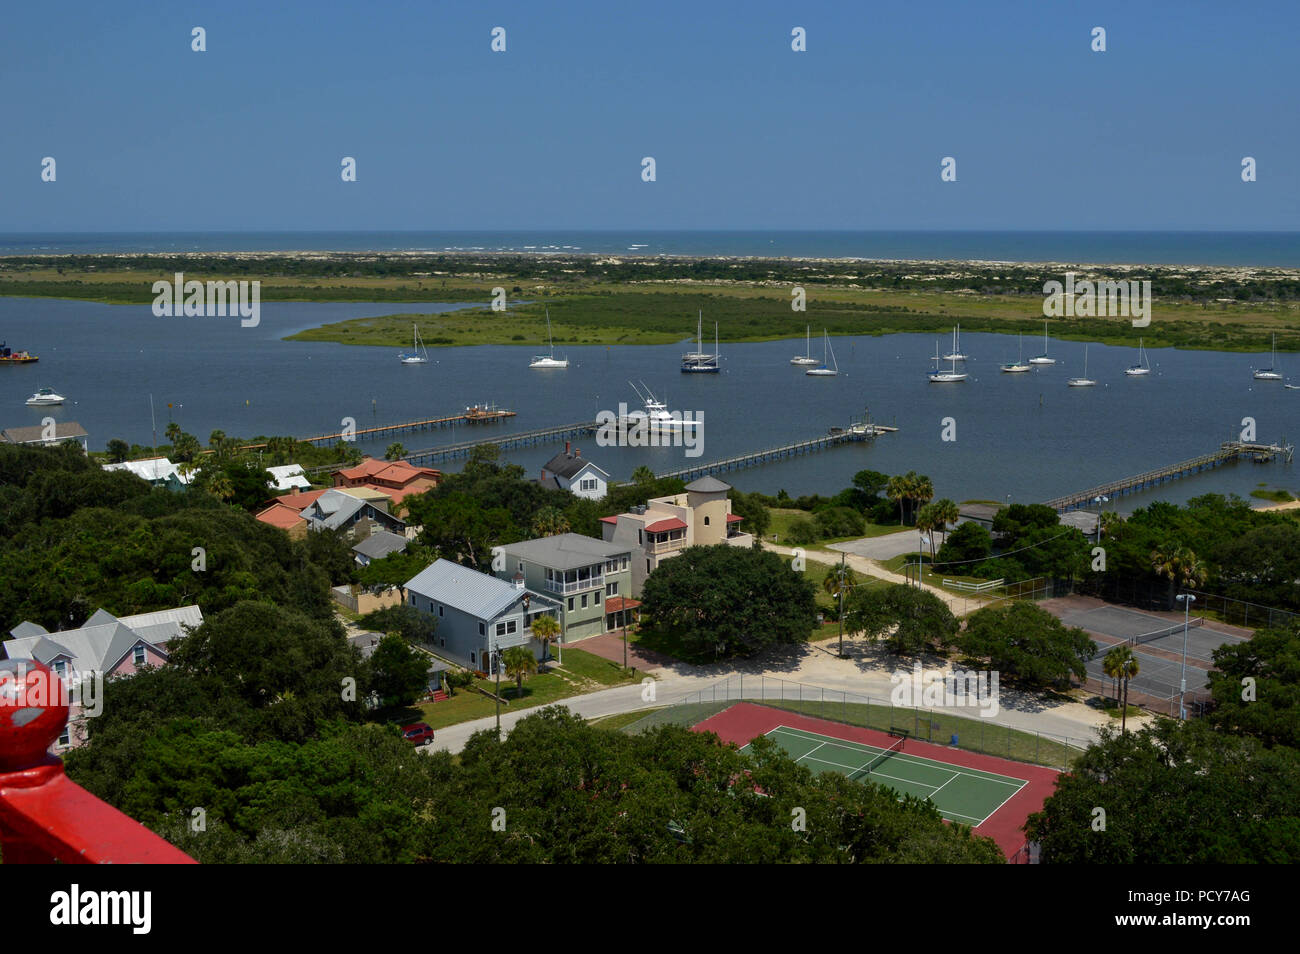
521,566
625,563
60,667
482,629
138,656
611,589
640,537
647,566
588,483
596,597
412,599
439,609
584,600
706,521
65,737
512,626
501,629
570,604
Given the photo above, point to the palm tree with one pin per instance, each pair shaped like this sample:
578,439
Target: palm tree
173,433
220,487
545,628
215,439
922,488
549,522
1109,519
1120,663
643,475
946,513
896,490
395,451
1180,566
927,521
519,662
833,581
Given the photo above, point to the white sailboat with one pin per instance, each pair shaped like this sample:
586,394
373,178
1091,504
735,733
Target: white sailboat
944,377
956,354
824,371
1271,373
1043,358
1142,367
1019,366
548,360
418,353
697,362
1085,381
806,357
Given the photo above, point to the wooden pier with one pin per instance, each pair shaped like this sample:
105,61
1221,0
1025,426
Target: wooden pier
854,434
484,414
541,435
1228,451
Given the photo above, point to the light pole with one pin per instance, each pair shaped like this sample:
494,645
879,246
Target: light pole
1187,599
841,589
920,557
496,664
1101,503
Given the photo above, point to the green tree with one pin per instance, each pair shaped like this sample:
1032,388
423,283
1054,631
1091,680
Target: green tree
909,620
545,629
118,450
1028,644
643,475
1180,566
395,451
398,674
969,542
1256,687
1121,664
550,522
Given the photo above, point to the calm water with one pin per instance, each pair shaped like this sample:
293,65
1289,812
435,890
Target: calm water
1026,435
1177,248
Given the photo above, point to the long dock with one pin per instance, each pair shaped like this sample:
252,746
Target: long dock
542,435
487,414
834,438
1228,451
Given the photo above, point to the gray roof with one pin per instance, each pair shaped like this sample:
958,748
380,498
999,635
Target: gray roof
334,508
104,639
366,643
469,591
63,430
568,465
380,544
565,551
707,485
25,629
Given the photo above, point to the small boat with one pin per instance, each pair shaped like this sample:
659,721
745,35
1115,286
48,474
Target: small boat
44,397
956,354
806,357
944,377
418,354
824,371
1270,373
697,362
656,418
548,360
1043,358
1085,381
1019,367
8,356
1142,367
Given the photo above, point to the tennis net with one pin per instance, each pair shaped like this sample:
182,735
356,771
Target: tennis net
875,763
1162,633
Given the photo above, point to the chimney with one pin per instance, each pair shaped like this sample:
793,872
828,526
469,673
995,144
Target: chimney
577,452
566,448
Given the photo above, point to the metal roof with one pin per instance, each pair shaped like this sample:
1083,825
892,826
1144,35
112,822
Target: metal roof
565,551
380,544
469,591
707,485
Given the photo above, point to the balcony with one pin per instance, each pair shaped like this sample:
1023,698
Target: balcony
576,586
667,546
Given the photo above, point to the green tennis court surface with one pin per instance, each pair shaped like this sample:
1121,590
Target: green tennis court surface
961,794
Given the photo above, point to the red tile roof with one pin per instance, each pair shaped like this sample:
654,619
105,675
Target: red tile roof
397,471
297,501
616,603
672,523
734,518
278,515
609,519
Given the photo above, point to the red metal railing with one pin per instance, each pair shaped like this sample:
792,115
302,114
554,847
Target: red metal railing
44,815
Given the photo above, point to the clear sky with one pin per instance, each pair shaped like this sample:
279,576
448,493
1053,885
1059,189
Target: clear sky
746,133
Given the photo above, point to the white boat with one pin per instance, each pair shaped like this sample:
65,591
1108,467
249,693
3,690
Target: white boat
1085,381
956,354
1271,373
1043,358
944,377
656,417
1292,387
698,362
1019,367
548,360
824,371
806,357
44,397
418,353
1142,367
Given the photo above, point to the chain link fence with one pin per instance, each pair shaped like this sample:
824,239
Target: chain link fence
930,725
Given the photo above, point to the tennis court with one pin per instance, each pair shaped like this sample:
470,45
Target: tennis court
1129,625
966,795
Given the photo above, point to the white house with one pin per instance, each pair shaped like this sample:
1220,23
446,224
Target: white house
158,471
569,471
289,477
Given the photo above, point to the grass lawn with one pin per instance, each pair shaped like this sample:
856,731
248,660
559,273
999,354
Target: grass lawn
620,720
898,563
582,673
778,530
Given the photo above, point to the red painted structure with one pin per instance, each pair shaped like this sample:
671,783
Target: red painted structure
44,815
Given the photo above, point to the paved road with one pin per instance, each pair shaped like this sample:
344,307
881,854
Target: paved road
881,548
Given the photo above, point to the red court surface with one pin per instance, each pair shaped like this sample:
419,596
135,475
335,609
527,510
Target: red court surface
746,721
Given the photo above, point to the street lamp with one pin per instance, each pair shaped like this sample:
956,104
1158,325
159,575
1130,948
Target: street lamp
920,557
496,664
841,589
1101,502
1187,599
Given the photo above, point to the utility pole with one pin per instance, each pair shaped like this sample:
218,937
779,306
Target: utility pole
841,589
496,661
1187,599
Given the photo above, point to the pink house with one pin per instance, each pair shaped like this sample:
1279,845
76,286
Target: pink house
106,645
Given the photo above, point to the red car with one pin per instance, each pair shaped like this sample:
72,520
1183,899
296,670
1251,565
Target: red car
418,733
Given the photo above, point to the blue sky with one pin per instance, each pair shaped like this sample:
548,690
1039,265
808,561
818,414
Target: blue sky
149,135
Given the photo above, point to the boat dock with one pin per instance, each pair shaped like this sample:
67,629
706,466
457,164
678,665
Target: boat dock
478,414
542,435
834,437
1228,451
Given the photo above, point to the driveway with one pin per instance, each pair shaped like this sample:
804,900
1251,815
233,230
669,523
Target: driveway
881,548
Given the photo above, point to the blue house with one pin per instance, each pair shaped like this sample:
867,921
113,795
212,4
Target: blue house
477,613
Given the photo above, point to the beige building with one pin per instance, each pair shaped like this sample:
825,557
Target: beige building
665,526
